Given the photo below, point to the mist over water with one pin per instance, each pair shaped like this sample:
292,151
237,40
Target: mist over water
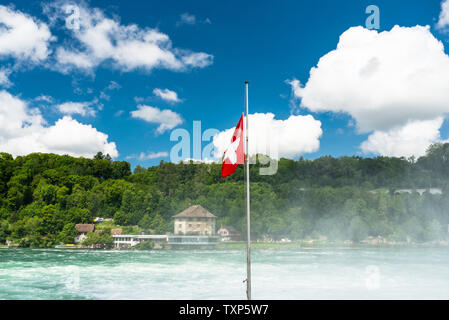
350,273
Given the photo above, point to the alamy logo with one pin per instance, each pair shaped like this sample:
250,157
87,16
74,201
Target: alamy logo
181,151
372,280
72,282
373,20
72,21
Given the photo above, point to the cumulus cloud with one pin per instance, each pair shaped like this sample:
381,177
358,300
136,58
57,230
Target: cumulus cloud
23,130
68,60
443,19
409,140
71,137
22,36
167,95
384,80
148,156
277,138
128,47
81,108
166,119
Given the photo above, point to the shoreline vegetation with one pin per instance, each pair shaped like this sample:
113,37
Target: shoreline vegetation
319,244
301,244
353,199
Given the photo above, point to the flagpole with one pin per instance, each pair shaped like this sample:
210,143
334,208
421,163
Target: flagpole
248,222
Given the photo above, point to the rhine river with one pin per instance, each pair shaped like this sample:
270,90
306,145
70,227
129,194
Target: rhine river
347,273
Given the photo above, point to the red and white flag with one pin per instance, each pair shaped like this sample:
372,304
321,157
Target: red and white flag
234,155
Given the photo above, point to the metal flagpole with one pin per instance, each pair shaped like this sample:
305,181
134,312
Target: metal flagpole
248,246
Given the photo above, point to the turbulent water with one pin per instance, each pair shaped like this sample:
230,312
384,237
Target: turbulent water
352,273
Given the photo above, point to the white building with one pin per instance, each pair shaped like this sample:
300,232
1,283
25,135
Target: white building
433,191
127,241
195,220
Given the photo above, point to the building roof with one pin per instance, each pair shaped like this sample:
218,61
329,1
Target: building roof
116,232
195,212
231,229
85,227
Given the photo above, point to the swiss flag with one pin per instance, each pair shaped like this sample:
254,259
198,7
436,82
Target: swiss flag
234,155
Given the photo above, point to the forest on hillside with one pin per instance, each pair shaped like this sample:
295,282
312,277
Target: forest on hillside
43,196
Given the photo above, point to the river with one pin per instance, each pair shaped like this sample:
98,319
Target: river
346,273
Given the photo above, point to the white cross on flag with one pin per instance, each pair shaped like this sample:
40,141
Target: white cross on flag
234,155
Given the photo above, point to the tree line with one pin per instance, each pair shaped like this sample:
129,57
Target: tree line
43,196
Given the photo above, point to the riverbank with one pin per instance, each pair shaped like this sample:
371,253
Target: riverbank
325,244
299,244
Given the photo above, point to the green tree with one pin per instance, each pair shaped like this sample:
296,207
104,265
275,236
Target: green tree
358,229
93,238
145,222
120,218
68,233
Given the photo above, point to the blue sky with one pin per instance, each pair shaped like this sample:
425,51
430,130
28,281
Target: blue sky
265,42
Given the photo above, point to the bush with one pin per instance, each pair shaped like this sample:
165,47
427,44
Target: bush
146,245
93,238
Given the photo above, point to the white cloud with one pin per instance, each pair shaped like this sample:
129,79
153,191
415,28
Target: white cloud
381,79
15,117
68,59
104,96
24,130
197,59
4,78
70,136
167,95
278,138
166,119
129,47
81,108
113,85
139,99
23,37
186,18
384,80
296,87
153,155
44,98
443,19
409,140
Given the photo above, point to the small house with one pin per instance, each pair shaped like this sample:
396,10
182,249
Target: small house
228,233
83,229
